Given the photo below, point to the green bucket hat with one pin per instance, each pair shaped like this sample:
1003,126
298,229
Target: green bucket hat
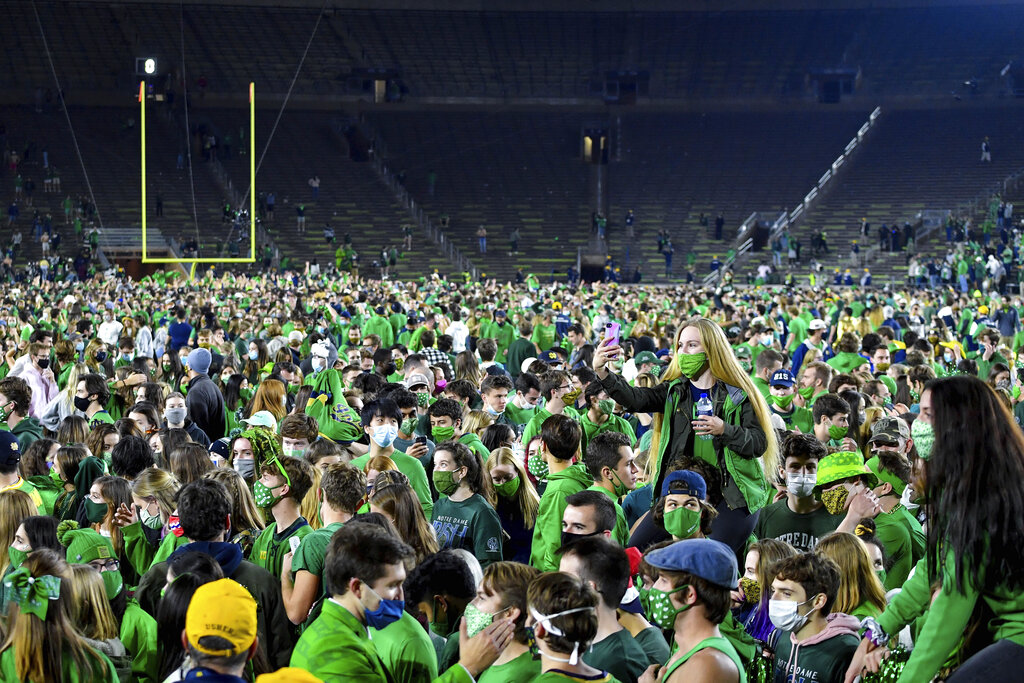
875,465
842,465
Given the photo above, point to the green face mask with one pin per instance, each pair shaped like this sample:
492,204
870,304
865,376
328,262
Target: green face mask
836,433
538,467
263,495
112,583
95,512
606,406
692,364
408,425
55,476
620,488
445,482
16,556
806,392
663,612
507,489
682,522
881,574
783,402
442,433
167,367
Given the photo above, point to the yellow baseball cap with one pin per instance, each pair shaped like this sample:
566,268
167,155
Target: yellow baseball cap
289,675
225,609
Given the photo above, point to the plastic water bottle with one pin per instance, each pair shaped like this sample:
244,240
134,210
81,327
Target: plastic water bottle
704,407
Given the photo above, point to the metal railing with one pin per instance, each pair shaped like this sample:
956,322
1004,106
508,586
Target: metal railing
790,218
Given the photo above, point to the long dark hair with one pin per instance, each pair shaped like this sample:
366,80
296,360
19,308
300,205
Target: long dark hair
975,484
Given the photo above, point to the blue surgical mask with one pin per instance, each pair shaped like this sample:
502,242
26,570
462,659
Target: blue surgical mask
254,355
387,612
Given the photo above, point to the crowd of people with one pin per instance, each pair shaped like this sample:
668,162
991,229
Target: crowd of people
304,477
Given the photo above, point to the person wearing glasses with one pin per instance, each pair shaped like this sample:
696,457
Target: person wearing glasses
136,629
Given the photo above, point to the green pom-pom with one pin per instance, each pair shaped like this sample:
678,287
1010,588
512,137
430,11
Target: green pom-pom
64,530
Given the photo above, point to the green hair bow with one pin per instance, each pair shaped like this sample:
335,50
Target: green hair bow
32,594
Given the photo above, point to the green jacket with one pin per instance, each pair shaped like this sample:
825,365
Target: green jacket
336,647
9,671
547,532
141,554
738,448
138,633
949,614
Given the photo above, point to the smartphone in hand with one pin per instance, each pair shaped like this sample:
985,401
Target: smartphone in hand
611,334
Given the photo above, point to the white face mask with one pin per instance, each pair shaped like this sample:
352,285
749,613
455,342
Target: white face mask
383,435
545,619
800,485
906,497
784,616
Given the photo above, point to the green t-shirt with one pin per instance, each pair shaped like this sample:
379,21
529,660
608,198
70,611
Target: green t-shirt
270,547
406,650
102,417
652,642
9,671
522,668
533,426
800,531
800,419
618,654
471,524
311,553
614,423
519,416
412,468
904,543
558,676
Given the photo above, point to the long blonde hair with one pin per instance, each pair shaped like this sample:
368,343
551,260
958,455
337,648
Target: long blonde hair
726,368
858,582
90,608
526,498
41,647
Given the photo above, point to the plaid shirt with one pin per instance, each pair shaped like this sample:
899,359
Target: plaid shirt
438,358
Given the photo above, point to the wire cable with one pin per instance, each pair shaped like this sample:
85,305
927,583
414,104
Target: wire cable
67,116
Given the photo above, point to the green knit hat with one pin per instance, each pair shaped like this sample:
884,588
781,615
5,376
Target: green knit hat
898,485
84,545
842,465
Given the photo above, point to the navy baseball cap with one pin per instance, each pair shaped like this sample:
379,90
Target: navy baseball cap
685,481
711,560
10,451
551,357
782,378
500,313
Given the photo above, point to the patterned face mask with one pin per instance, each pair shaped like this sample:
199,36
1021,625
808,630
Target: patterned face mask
663,612
477,620
538,467
834,500
751,590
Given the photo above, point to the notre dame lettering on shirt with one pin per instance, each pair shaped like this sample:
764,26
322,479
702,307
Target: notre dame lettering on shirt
471,524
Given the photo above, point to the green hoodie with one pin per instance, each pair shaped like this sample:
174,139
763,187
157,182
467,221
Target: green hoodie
473,442
27,432
547,532
845,361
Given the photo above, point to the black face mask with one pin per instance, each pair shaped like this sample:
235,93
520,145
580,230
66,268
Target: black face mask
101,356
568,538
82,404
43,364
